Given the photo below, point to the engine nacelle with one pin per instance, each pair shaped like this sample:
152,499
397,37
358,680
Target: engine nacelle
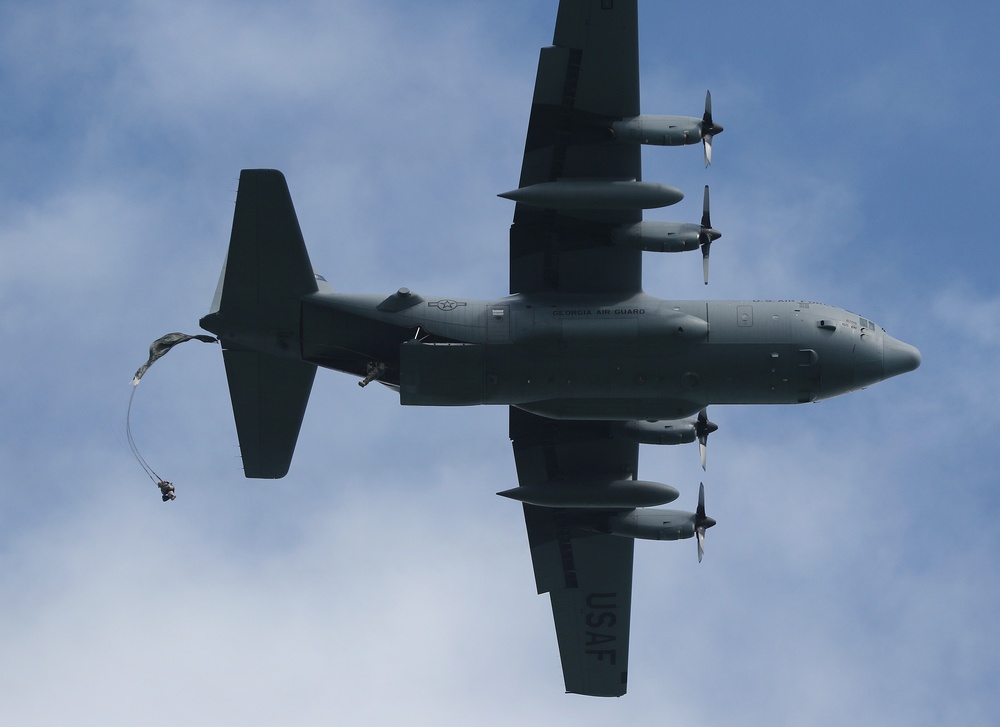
658,130
680,431
655,236
654,524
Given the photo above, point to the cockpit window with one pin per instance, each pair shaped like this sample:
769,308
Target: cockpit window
870,325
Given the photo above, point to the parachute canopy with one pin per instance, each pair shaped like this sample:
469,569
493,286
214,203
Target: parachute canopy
159,348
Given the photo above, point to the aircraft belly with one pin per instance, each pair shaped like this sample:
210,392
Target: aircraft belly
626,384
630,384
757,373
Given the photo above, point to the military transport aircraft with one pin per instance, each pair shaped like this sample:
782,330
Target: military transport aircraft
589,364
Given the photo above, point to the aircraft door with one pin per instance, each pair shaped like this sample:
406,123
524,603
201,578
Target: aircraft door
498,354
497,323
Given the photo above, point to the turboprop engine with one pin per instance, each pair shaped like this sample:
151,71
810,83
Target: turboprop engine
670,130
653,524
656,236
672,431
659,524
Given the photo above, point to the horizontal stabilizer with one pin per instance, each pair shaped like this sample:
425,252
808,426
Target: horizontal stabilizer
269,400
257,315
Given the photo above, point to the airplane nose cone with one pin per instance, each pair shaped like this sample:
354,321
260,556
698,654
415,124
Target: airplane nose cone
898,357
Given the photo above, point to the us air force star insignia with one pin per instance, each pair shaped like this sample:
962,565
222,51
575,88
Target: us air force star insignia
445,304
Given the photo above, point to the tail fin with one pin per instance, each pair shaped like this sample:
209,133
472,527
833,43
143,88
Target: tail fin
257,316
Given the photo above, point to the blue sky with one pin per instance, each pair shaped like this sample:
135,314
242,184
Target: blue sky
852,577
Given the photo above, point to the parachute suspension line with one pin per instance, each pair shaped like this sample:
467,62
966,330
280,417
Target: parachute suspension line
157,350
150,472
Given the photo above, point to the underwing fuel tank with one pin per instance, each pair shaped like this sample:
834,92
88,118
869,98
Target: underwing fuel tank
619,494
579,194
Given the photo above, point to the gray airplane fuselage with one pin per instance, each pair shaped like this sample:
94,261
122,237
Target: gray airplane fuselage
589,357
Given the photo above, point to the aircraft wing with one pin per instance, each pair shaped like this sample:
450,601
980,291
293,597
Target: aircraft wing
587,78
587,574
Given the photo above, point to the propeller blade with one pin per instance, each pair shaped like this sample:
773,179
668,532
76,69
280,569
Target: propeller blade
708,234
702,428
706,215
708,128
702,522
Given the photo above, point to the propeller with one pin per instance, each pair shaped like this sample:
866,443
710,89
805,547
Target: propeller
708,234
702,522
702,428
708,128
